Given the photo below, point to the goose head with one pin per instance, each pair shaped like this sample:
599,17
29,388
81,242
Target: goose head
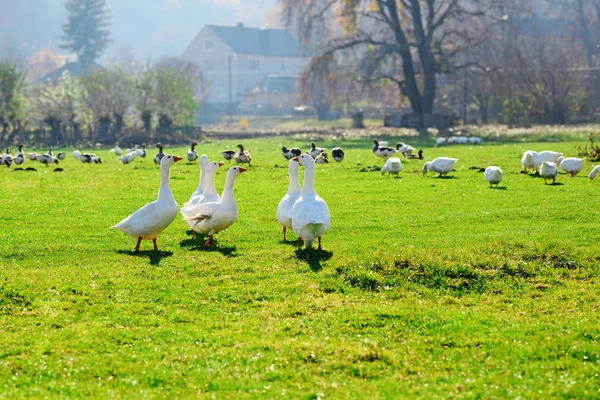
235,171
426,167
398,145
239,146
284,149
194,144
160,147
313,146
305,159
169,160
375,144
213,166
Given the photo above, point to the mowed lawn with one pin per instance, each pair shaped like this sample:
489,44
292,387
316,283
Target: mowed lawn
426,287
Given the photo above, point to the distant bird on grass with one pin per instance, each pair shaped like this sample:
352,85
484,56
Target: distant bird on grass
549,170
159,156
594,172
383,152
571,165
392,166
441,165
290,153
338,154
284,209
242,156
191,154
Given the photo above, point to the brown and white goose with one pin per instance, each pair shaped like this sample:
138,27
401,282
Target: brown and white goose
383,152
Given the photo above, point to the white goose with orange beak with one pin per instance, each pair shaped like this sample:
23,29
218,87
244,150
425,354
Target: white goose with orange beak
215,216
310,214
149,221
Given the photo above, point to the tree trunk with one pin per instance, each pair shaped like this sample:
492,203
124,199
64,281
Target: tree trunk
164,124
147,120
103,133
322,111
118,124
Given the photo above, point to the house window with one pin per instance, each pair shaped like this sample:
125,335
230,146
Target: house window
209,45
254,65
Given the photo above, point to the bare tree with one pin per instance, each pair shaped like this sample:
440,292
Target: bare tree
426,37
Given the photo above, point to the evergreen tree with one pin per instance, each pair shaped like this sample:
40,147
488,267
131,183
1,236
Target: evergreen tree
86,32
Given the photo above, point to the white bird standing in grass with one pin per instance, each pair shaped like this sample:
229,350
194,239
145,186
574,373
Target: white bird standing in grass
202,182
209,194
117,150
571,165
310,214
392,166
284,209
493,175
549,170
214,217
594,172
529,161
149,221
384,151
441,165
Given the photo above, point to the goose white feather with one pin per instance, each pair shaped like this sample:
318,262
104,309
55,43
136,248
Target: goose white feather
310,215
548,170
190,209
441,165
149,221
284,209
392,166
594,172
572,165
493,175
213,217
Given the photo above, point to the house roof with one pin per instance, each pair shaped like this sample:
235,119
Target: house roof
75,70
260,41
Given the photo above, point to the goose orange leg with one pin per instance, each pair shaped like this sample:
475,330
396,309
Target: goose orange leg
155,246
137,246
299,243
320,248
284,237
209,242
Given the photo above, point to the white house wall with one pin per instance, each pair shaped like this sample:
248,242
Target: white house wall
211,54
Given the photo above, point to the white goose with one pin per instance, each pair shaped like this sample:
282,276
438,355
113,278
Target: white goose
117,150
214,217
392,166
493,175
202,181
594,172
209,193
529,161
441,165
571,165
548,155
149,221
284,209
310,214
548,170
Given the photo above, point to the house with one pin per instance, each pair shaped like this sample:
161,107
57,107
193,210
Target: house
74,69
236,59
274,95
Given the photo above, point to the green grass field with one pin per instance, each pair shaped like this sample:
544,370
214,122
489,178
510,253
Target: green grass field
426,287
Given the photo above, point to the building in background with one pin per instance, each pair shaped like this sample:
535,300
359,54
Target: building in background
240,62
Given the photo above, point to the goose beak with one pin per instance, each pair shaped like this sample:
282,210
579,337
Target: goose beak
221,164
177,158
243,170
296,159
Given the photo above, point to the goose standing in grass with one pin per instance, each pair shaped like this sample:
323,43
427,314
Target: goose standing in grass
202,180
529,161
159,156
405,149
88,158
191,154
440,141
290,153
571,165
47,159
392,166
129,157
242,156
441,165
32,156
61,156
117,150
383,152
549,170
493,175
228,154
310,214
594,172
76,154
149,221
20,157
418,156
213,217
143,155
284,209
338,154
315,151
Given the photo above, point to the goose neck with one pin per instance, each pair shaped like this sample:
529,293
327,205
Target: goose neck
164,193
227,196
309,180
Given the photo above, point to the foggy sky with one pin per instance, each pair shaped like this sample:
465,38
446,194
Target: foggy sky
140,29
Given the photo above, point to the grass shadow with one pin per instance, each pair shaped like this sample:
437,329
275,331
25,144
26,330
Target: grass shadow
313,257
555,184
153,255
198,245
292,242
446,177
499,188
